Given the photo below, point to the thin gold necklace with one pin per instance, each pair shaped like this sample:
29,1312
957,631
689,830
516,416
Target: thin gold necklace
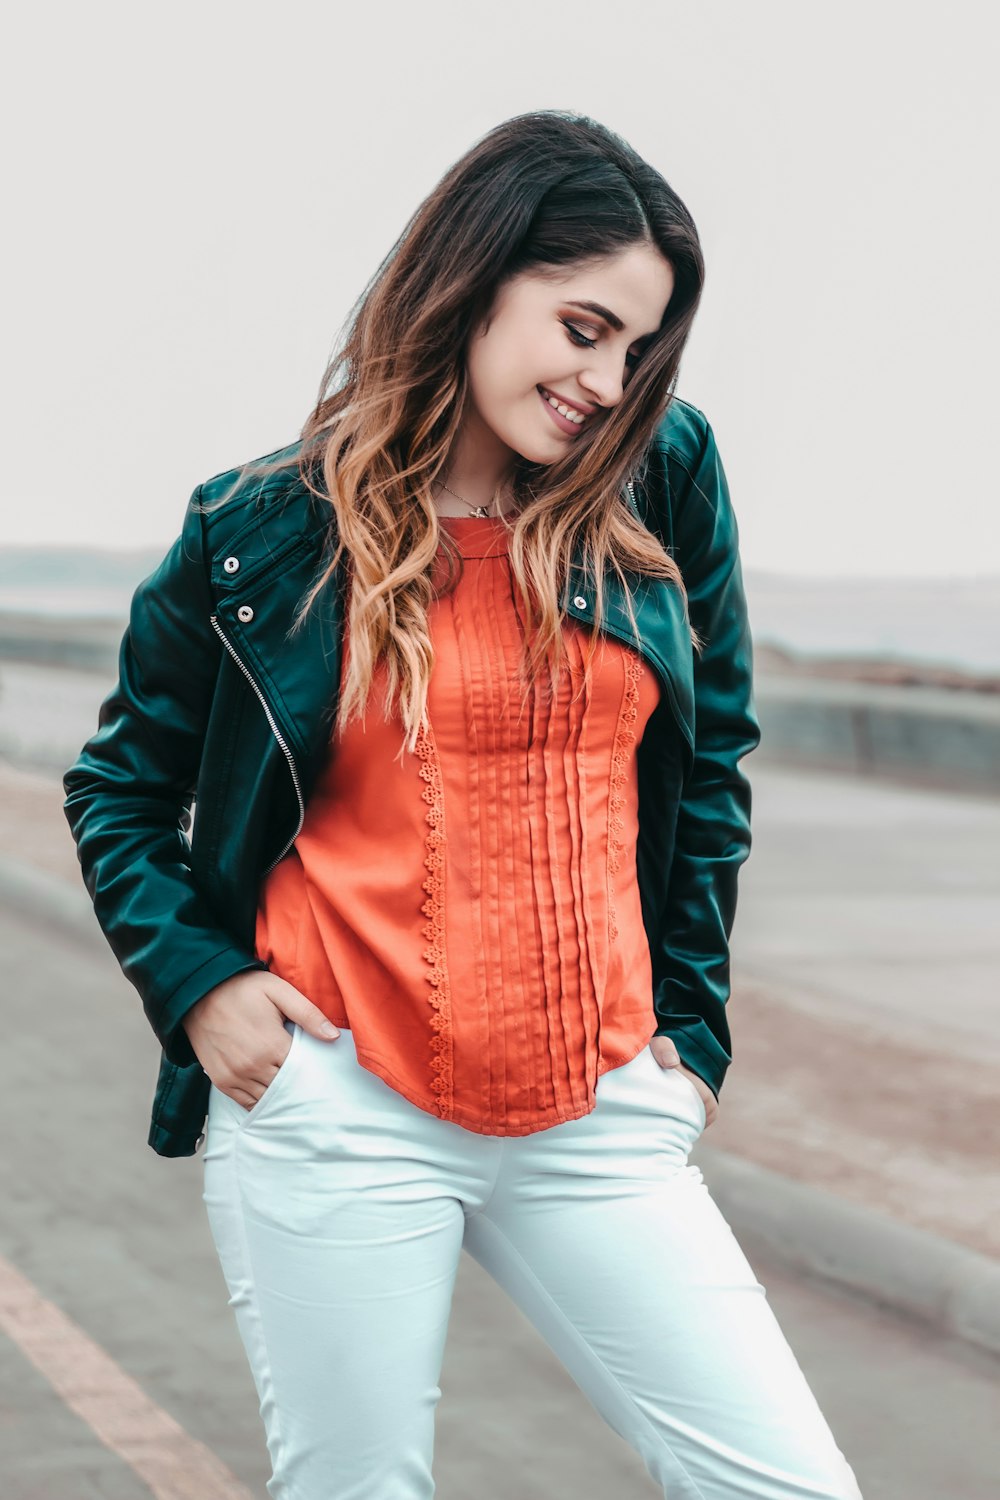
481,512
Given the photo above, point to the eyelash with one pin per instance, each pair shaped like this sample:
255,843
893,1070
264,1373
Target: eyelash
581,340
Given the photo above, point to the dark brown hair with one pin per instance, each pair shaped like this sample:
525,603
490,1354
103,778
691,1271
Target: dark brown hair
543,192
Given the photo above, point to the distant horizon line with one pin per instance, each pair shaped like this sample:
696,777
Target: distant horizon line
158,550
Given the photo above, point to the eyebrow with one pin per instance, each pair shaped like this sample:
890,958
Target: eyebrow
610,317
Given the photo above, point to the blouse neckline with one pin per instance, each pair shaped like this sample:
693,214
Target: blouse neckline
478,536
473,520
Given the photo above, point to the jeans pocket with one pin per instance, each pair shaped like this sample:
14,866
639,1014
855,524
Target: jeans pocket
693,1093
278,1083
690,1103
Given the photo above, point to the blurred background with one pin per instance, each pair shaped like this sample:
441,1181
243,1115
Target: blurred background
198,195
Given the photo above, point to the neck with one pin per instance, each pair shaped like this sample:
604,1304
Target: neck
479,465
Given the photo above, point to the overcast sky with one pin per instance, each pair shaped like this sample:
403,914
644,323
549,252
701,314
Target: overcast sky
200,192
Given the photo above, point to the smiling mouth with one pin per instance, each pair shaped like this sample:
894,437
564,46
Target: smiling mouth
564,411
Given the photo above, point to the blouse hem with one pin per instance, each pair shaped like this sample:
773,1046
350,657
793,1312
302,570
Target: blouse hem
374,1065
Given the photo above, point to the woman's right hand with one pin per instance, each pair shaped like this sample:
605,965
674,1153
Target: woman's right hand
238,1034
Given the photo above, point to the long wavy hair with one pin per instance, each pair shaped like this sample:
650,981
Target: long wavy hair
541,193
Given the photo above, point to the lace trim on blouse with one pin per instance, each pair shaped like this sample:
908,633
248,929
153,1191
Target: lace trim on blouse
620,758
442,1084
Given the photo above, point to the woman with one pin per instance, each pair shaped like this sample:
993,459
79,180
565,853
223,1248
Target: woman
459,683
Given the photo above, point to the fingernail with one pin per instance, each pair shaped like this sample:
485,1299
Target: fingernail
328,1029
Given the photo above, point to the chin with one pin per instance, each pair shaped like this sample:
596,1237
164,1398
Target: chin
539,447
537,453
532,449
529,439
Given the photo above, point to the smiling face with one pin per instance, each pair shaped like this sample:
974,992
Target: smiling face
541,338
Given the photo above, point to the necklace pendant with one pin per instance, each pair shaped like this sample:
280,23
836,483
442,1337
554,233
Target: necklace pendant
481,512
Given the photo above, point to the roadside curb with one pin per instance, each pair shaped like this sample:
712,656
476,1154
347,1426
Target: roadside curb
924,1276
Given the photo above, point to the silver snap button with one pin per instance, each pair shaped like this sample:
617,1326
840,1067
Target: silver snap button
231,564
580,602
244,613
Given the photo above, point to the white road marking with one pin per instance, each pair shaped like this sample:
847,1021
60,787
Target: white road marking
174,1465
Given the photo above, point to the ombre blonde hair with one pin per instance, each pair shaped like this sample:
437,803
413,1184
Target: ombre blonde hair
541,193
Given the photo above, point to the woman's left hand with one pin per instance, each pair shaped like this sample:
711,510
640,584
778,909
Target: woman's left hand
666,1055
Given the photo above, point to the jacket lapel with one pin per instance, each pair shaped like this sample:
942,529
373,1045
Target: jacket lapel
300,674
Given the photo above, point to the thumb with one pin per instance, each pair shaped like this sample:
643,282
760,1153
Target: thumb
665,1052
301,1010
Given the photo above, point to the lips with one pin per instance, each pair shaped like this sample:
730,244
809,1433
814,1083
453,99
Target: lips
565,425
571,404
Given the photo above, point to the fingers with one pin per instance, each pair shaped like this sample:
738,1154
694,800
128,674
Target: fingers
300,1009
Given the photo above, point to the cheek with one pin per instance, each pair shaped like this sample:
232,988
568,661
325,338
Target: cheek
515,357
501,381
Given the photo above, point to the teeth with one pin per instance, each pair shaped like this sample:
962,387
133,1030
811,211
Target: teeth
574,416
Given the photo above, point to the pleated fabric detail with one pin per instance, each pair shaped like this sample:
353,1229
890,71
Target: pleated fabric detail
472,911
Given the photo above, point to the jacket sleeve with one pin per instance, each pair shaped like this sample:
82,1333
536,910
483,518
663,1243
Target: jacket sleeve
692,966
129,793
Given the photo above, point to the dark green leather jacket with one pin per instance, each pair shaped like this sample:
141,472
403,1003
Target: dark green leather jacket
213,708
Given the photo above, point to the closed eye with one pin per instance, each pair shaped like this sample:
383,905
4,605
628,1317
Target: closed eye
581,340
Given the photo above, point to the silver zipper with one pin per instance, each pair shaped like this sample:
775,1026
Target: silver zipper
277,735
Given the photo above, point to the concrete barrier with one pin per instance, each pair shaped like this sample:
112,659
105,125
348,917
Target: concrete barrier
928,735
91,645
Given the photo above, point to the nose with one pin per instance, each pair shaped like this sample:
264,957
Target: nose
603,382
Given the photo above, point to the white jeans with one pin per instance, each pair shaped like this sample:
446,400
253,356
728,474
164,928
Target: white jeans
339,1211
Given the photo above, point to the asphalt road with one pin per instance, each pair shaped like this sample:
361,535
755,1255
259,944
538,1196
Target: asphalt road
874,901
122,1374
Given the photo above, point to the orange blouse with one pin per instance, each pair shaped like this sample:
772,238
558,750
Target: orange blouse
471,912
